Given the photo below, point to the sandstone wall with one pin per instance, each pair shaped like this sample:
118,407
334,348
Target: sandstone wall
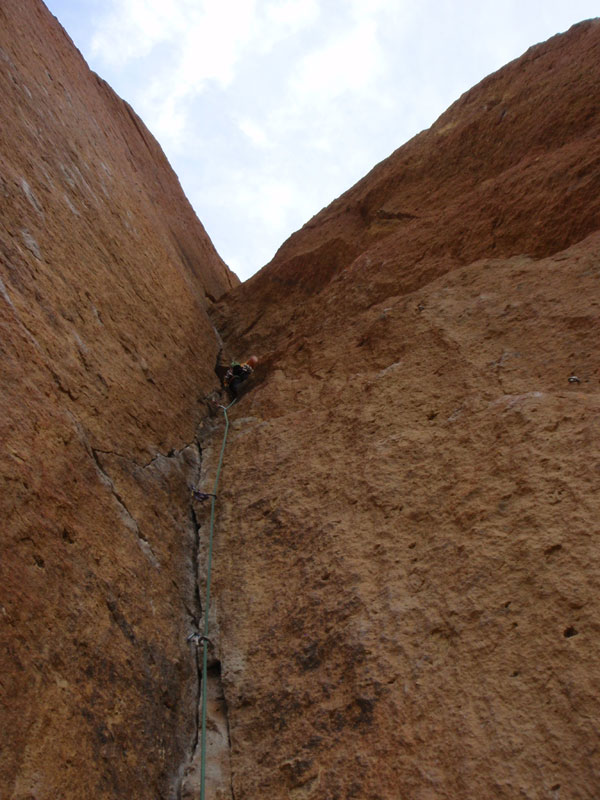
106,352
407,582
510,168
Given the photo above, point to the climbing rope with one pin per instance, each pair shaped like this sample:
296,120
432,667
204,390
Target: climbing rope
204,638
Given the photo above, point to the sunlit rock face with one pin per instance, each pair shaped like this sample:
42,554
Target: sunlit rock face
408,588
405,579
106,351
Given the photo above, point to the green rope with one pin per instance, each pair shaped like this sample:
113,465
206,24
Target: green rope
207,605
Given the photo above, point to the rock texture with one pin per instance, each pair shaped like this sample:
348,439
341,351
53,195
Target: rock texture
106,350
510,168
407,583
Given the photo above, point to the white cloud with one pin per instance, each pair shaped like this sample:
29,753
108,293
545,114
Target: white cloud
130,29
269,199
347,63
201,43
213,43
206,39
284,18
255,133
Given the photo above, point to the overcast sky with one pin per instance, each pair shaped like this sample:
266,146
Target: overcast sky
270,109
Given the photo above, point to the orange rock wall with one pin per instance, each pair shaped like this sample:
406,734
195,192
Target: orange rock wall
106,352
407,586
405,599
510,168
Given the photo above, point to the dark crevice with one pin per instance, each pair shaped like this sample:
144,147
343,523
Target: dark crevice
251,325
188,785
132,522
198,698
198,615
195,614
191,614
218,716
400,215
172,453
120,621
60,386
109,481
221,366
195,559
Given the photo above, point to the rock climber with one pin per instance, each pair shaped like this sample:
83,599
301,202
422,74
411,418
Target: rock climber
237,374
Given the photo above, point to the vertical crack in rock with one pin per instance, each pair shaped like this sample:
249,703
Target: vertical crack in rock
126,515
106,347
197,621
218,777
196,563
192,478
196,618
188,785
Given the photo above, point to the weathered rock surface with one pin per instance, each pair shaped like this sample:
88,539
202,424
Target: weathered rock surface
510,168
106,350
406,588
407,584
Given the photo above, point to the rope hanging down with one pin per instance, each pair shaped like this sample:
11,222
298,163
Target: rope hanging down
204,637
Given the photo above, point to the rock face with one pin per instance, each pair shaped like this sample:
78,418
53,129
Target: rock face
106,350
407,588
510,168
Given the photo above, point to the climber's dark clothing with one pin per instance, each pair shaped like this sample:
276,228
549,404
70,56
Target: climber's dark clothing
235,377
201,496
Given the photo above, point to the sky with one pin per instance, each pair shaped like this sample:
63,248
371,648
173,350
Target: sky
269,109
